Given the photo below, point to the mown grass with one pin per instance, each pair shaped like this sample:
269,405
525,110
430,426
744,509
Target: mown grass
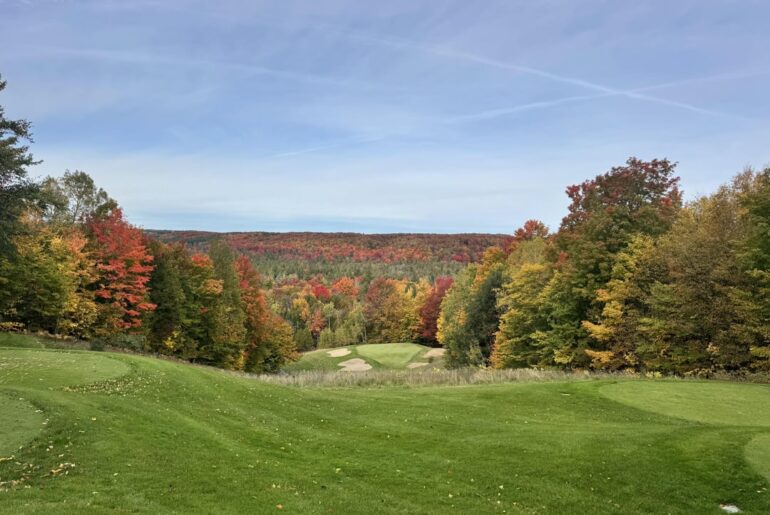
124,433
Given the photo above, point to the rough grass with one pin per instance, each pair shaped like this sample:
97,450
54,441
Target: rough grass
18,340
40,341
390,356
429,376
154,436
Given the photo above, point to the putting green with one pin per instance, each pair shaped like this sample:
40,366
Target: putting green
731,404
391,355
728,404
21,368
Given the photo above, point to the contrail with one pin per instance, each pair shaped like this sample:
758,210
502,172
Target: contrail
494,63
545,104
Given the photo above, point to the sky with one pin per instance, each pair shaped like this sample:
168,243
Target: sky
399,116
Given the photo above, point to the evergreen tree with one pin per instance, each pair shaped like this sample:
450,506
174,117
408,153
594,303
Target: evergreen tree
225,340
167,324
17,192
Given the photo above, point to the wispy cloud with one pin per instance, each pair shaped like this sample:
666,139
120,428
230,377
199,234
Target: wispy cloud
160,59
330,146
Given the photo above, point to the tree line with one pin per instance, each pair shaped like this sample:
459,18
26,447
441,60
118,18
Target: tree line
633,279
73,266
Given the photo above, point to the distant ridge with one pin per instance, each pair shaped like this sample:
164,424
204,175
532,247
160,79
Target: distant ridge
333,246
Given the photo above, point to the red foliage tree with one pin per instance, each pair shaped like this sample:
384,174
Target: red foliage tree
124,264
258,315
321,292
645,193
430,310
252,295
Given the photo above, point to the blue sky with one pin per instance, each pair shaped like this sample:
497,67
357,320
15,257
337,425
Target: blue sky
416,116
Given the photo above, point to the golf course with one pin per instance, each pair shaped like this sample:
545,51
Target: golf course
108,432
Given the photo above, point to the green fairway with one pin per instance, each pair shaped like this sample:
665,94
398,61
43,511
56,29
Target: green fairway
107,432
21,421
394,356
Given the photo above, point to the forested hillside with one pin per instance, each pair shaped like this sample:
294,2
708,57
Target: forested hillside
336,255
387,248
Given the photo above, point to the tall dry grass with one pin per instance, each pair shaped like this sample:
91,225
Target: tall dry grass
431,377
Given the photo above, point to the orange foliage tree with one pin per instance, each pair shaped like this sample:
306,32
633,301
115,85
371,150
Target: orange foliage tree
124,265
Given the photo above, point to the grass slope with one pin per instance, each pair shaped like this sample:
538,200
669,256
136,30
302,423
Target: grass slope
125,433
395,356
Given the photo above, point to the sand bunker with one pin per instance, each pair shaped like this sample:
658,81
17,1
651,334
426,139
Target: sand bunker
355,365
416,365
434,353
338,353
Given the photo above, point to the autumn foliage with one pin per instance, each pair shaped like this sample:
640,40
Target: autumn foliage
632,279
124,266
430,310
387,248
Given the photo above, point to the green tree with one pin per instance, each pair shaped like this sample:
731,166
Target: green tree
74,198
303,339
693,314
470,315
17,192
326,339
753,301
172,295
34,291
483,316
453,333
